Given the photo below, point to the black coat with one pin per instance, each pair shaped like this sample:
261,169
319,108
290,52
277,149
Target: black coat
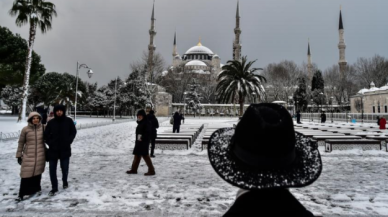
323,117
298,117
144,129
59,134
154,124
274,202
177,119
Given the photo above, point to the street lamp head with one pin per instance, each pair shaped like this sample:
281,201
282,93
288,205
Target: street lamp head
90,73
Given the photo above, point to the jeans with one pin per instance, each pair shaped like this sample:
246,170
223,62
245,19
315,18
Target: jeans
53,171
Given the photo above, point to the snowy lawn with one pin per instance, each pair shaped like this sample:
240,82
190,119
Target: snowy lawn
352,182
8,123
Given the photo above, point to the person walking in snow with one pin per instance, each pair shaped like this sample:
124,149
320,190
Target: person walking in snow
31,156
263,158
177,122
59,135
298,117
382,123
154,132
323,117
142,144
378,121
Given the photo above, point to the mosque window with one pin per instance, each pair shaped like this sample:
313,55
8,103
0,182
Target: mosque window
374,109
385,108
378,109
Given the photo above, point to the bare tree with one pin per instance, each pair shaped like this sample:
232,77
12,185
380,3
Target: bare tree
340,90
158,68
282,79
373,69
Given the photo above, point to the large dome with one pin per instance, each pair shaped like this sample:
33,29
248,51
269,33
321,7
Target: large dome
195,63
199,49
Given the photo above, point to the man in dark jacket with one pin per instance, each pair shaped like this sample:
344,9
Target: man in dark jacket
59,134
154,126
177,122
323,117
298,117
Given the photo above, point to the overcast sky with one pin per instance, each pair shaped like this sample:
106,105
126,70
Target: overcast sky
109,35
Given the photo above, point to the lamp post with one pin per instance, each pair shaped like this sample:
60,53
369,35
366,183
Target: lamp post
184,103
90,73
312,110
331,103
254,97
114,103
321,100
362,108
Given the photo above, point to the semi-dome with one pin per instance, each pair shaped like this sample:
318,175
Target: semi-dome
199,49
362,91
385,87
196,63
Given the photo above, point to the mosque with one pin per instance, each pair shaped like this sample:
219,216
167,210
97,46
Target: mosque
198,59
201,60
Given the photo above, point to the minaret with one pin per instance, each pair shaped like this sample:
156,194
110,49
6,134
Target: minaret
309,62
341,46
176,59
174,50
237,32
151,46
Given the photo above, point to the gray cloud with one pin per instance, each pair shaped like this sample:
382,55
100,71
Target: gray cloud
109,35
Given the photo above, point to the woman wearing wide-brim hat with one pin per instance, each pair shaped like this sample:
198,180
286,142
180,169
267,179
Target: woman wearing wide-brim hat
31,156
263,157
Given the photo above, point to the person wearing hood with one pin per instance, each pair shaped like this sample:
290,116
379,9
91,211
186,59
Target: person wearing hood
263,157
142,144
154,126
31,156
59,135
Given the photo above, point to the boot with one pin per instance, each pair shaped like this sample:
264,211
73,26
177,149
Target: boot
135,165
151,169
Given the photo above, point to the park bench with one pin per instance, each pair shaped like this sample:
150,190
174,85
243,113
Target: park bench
172,144
340,144
383,141
321,139
311,134
179,136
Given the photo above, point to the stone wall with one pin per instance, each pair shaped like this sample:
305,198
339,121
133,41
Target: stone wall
162,102
372,102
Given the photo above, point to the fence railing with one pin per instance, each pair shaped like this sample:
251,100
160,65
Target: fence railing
344,117
15,135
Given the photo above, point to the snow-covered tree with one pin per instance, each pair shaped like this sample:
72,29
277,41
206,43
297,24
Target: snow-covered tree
36,13
300,95
11,95
318,89
193,98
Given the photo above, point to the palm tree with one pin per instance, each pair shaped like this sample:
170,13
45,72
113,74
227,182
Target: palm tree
37,13
237,80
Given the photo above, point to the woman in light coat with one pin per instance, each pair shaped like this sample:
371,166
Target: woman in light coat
31,156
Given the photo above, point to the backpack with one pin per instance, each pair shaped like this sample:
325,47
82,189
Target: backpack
172,120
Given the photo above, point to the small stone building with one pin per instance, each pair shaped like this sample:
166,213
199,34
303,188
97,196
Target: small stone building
372,100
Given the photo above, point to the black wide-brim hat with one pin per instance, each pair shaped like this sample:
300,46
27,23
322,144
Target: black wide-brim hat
264,152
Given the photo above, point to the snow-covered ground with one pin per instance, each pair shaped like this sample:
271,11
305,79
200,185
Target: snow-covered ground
352,182
8,123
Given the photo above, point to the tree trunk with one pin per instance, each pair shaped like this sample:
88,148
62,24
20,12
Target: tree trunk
31,40
241,101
